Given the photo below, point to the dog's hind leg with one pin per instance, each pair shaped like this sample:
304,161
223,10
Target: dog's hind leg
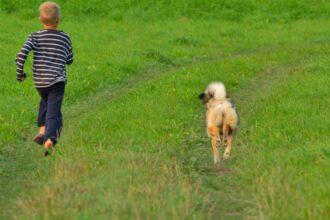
225,131
226,154
214,133
220,135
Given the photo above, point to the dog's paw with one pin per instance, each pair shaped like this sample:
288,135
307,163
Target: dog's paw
225,156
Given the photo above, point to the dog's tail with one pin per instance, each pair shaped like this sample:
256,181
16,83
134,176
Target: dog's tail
217,90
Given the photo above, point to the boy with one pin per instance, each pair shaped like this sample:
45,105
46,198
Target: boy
52,50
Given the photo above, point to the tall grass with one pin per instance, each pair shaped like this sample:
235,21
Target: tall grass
235,10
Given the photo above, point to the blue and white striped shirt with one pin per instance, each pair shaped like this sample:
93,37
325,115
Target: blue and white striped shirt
52,50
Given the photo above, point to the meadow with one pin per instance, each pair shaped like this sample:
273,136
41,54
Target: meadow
134,144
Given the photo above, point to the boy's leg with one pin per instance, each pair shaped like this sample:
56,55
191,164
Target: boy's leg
42,130
54,114
41,120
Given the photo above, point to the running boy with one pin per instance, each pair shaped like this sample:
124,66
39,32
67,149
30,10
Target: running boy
52,50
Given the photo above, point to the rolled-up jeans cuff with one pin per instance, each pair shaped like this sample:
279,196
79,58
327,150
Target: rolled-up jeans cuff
40,124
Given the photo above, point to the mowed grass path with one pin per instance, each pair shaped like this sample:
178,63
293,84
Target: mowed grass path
134,144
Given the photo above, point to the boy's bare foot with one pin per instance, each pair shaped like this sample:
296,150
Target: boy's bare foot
39,139
48,147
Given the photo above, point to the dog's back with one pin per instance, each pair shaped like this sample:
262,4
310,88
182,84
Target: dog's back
220,109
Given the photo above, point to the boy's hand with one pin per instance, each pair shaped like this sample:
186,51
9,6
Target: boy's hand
21,77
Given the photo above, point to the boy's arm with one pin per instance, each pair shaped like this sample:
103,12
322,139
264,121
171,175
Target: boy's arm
21,58
69,58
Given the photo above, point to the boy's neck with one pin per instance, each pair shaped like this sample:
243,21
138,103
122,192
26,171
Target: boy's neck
50,27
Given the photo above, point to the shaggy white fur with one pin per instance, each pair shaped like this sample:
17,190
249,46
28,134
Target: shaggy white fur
217,90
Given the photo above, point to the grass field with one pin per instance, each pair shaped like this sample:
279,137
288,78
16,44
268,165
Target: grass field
134,143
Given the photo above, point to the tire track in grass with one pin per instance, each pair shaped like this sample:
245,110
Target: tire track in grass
258,88
20,161
216,178
261,87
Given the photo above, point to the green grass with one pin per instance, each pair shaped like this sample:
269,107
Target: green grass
134,142
233,10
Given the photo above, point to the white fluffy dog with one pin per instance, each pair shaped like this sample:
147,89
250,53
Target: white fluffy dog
221,118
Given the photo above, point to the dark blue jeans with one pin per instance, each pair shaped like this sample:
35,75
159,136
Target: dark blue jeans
50,114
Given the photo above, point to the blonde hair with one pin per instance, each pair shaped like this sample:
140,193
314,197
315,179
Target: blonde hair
49,13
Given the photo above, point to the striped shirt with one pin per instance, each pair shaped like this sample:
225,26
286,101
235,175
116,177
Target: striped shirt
52,50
